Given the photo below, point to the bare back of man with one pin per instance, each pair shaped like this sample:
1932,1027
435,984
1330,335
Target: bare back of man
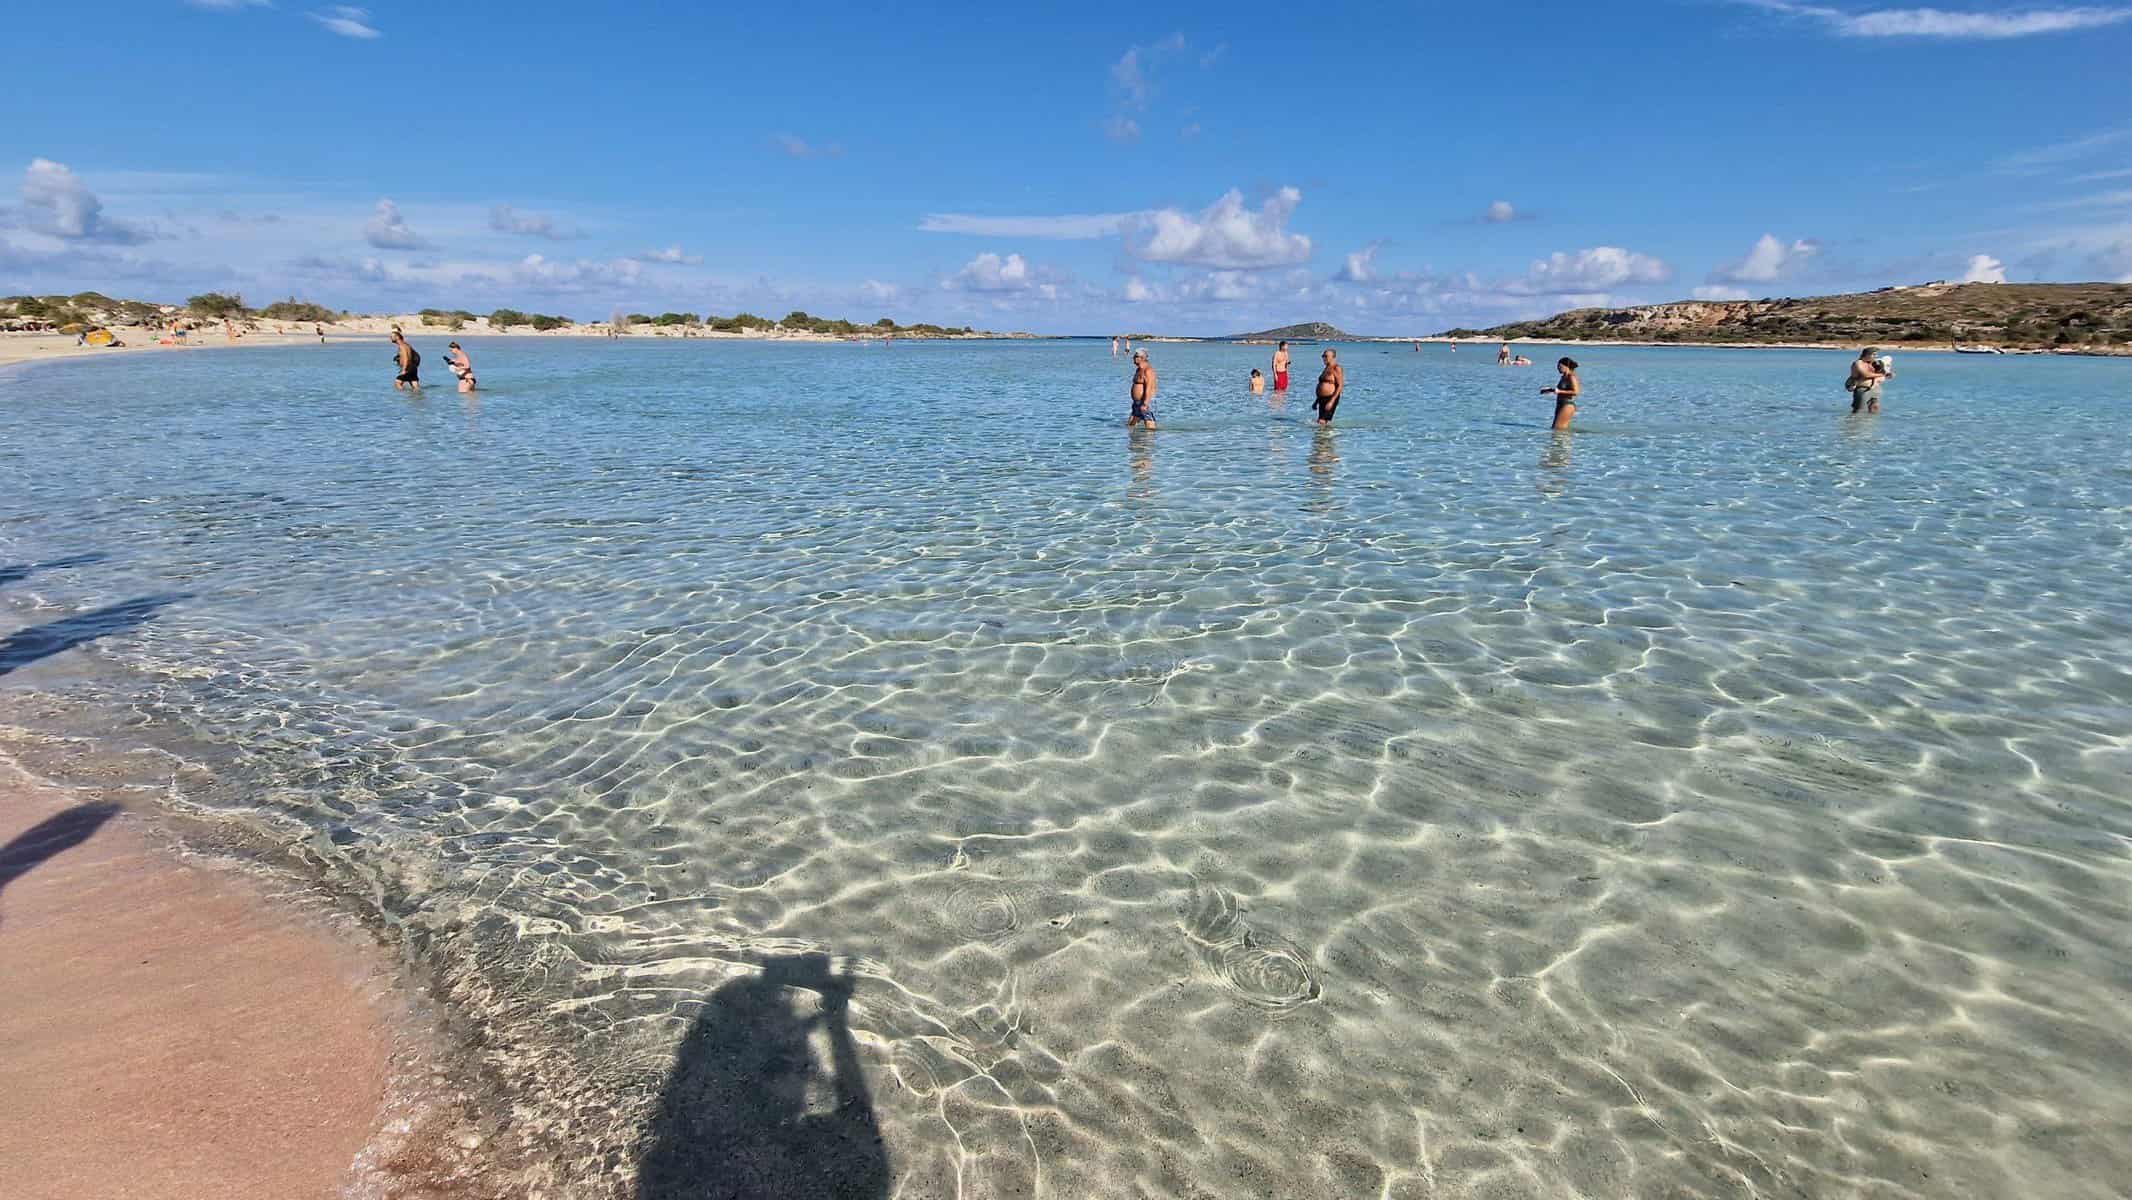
1332,381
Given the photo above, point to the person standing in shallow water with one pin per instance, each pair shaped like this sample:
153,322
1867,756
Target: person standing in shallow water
410,364
1864,383
1280,367
1332,383
1143,390
1565,391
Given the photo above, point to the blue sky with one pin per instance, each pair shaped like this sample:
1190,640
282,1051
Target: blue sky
1091,168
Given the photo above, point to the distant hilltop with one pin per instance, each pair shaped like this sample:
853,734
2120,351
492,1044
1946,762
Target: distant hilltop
2061,316
1314,331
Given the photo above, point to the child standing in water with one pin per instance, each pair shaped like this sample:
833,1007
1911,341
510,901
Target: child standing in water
1565,392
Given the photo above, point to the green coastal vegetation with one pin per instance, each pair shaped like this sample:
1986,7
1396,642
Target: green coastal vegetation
2040,316
95,308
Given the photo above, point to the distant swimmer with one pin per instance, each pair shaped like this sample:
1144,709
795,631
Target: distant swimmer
1114,347
461,366
1417,347
1502,356
1565,392
1332,381
1867,370
1143,412
1258,382
1280,367
409,361
1521,361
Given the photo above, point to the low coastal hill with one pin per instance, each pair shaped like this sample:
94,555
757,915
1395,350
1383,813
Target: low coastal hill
1312,331
2064,316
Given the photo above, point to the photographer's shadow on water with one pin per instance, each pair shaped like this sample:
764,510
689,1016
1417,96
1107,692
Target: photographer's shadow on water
751,1112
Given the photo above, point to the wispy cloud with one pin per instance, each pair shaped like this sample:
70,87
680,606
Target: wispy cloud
799,147
1502,212
1945,24
505,219
388,230
348,22
671,256
1598,269
1132,85
1072,228
229,5
2100,176
1718,291
2051,154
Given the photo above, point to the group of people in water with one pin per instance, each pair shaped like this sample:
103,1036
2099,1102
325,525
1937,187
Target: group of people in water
1332,384
407,364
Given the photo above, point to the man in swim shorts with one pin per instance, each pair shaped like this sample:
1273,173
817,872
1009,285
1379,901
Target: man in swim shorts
1864,381
410,364
1331,383
1280,368
1143,412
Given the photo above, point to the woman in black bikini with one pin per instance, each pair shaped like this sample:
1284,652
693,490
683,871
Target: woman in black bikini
1565,392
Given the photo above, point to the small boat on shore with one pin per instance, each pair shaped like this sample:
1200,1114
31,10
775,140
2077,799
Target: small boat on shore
1978,350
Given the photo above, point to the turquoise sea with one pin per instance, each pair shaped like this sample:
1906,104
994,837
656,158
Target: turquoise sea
822,770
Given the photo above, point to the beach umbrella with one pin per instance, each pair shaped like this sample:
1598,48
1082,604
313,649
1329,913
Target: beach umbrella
100,337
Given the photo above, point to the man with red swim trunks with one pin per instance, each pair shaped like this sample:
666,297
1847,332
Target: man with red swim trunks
1280,368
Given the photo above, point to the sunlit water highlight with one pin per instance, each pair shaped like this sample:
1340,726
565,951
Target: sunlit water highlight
1727,798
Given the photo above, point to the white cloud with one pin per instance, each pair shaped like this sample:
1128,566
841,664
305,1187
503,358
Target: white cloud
2113,261
1720,292
671,256
1132,85
1136,290
797,147
1078,227
2099,176
1983,268
229,5
1357,268
883,293
1500,212
2052,153
1942,23
387,229
348,22
1226,234
505,219
1768,259
1588,272
57,203
2122,196
990,273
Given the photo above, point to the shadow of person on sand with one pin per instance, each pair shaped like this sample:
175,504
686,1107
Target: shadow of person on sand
52,836
750,1112
25,646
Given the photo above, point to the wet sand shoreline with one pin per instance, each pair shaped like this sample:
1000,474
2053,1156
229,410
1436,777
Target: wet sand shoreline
175,1028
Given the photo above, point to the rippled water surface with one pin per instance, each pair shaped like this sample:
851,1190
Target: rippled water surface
1729,798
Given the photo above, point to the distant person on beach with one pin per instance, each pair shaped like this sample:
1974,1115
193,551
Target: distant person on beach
1280,367
409,361
1332,381
1864,383
1258,382
321,331
1143,411
1565,392
461,366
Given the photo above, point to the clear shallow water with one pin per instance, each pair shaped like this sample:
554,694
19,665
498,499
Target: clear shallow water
1728,798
